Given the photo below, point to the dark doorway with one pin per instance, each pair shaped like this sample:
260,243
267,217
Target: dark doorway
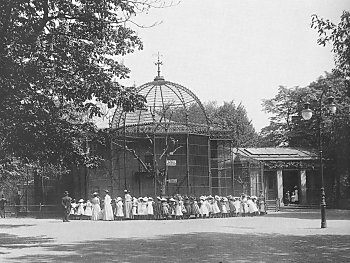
290,180
271,188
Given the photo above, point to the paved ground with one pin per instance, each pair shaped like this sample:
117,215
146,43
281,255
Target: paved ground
293,236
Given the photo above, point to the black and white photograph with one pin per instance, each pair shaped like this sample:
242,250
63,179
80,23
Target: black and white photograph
153,131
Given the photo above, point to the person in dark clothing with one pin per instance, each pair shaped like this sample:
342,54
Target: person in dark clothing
66,205
287,198
3,202
17,204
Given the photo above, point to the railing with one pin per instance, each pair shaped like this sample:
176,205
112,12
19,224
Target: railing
39,211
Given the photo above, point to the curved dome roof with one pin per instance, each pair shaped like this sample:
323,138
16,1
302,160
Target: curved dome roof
169,105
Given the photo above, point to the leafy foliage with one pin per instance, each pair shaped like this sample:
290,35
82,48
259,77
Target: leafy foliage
339,37
287,128
59,62
234,119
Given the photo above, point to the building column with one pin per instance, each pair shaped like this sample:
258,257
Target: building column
280,185
302,195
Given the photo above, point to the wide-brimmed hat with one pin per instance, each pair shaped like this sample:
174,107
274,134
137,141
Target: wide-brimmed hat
163,199
172,199
119,198
150,199
225,199
125,191
65,192
106,191
145,198
94,193
81,201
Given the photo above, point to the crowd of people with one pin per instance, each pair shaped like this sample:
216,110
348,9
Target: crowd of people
173,207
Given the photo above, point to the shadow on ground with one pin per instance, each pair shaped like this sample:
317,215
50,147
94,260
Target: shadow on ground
331,214
13,226
9,242
202,247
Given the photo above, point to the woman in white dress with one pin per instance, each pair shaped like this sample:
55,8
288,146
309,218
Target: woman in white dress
244,205
108,211
96,209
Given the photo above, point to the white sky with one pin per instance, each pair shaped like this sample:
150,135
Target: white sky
243,50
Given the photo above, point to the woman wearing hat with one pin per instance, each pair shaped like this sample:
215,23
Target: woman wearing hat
107,209
96,209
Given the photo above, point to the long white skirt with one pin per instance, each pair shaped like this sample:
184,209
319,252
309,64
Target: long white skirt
108,212
96,212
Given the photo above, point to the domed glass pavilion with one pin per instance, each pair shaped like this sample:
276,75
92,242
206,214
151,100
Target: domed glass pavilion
167,147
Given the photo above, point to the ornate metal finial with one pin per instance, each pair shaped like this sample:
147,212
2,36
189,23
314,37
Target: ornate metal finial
158,63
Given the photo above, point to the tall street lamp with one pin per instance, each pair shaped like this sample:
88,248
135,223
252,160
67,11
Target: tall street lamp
307,114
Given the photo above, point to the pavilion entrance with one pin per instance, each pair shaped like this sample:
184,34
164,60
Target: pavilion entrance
291,179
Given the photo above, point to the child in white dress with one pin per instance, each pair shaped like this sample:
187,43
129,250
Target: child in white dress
224,212
144,208
80,210
88,209
139,208
134,207
203,210
73,210
119,213
178,209
237,205
216,209
150,211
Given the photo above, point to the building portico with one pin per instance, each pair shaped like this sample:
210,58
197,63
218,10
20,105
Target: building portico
283,170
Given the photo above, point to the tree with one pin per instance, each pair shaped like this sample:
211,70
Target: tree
287,128
339,37
59,59
234,119
284,107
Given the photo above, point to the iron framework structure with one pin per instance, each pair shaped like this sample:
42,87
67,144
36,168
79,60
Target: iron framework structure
167,147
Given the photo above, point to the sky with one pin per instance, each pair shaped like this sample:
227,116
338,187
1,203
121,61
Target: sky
224,50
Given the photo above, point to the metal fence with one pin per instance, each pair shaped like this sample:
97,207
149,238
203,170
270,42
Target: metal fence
38,211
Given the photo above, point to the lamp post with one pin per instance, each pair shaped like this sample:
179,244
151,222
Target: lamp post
307,114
